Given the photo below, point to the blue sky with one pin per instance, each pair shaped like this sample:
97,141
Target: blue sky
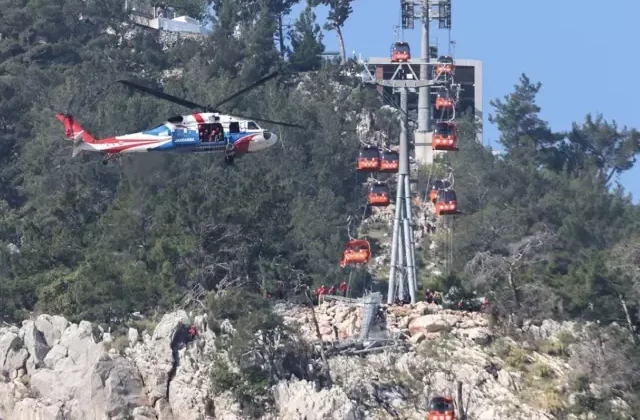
546,39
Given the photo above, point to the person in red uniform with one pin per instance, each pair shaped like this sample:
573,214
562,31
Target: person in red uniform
321,293
332,290
343,289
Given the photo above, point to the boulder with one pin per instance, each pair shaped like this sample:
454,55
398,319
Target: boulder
52,327
298,399
155,358
12,355
433,323
36,345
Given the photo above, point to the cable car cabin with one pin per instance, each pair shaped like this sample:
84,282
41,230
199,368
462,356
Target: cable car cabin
445,65
400,52
441,408
445,102
369,159
389,161
446,202
379,195
356,251
433,192
445,136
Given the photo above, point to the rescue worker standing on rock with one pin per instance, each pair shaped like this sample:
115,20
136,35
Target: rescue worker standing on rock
343,289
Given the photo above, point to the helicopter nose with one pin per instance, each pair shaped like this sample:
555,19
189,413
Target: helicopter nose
262,141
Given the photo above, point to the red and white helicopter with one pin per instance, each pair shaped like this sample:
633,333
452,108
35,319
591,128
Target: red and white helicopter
206,131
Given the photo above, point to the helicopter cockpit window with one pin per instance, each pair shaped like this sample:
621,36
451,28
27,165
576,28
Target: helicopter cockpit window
252,126
175,120
234,127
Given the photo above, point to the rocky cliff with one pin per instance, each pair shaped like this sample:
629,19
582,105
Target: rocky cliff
54,369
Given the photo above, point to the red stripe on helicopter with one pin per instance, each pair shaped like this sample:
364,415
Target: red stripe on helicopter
242,145
198,118
123,147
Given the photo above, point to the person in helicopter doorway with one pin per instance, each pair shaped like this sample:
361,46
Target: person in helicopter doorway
217,134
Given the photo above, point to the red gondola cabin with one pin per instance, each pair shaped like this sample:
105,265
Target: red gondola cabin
400,52
444,102
379,195
446,202
445,136
389,161
356,251
441,408
445,65
369,159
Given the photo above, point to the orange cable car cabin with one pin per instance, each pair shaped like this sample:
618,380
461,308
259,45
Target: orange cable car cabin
441,408
445,102
379,195
400,52
433,192
445,136
369,159
389,161
356,251
445,65
446,202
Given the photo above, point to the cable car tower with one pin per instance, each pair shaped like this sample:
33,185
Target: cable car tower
402,276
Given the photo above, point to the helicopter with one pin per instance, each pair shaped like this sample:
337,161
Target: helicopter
204,131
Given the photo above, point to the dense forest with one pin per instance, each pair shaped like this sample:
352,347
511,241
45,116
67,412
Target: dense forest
545,231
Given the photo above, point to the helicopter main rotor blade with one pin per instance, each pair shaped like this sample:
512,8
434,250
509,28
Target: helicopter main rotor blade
162,95
285,124
248,88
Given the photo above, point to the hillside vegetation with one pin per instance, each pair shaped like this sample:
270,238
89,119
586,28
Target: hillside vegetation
546,233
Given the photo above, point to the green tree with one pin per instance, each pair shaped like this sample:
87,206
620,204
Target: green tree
339,12
524,136
306,42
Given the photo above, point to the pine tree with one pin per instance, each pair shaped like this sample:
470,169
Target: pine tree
306,42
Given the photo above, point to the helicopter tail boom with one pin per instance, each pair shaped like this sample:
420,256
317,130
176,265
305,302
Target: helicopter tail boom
74,131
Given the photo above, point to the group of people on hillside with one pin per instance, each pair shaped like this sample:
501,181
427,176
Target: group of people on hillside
433,297
322,291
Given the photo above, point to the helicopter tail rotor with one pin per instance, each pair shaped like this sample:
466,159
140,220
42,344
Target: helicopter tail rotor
74,131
